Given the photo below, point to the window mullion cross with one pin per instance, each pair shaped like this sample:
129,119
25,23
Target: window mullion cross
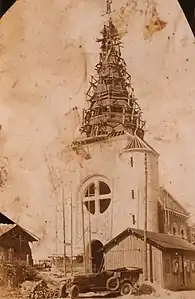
91,198
97,194
105,196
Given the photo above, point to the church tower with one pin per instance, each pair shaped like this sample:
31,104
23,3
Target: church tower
111,157
113,108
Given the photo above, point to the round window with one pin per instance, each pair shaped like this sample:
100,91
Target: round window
97,197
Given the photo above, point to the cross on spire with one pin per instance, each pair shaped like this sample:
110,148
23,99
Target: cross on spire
108,7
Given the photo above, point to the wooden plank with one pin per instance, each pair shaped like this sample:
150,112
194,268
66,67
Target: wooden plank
151,264
130,252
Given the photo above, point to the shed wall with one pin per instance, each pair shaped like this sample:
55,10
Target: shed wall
130,253
184,277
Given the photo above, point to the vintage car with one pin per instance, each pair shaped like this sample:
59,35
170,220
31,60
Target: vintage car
121,280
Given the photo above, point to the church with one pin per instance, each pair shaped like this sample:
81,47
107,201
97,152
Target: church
111,157
110,172
113,172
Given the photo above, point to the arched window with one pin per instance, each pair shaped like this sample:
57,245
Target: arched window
174,229
183,232
97,196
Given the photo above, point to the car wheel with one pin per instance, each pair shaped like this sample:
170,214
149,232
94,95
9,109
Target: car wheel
112,284
126,288
63,292
74,291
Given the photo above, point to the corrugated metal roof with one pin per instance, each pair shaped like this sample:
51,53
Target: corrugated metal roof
159,240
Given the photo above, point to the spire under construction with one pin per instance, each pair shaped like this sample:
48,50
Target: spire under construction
113,108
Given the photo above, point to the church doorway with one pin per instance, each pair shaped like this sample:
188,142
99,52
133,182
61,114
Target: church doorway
97,255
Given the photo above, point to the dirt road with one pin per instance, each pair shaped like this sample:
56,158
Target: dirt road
161,293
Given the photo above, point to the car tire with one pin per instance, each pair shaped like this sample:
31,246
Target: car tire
63,292
126,288
74,291
113,284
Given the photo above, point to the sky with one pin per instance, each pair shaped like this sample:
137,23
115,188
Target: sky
47,54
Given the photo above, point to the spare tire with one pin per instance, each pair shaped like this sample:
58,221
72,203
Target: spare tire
113,284
63,291
74,291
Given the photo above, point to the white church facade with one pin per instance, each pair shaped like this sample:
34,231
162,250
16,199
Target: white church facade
109,172
111,169
111,185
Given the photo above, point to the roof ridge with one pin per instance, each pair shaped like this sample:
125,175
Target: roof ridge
6,227
175,200
29,233
160,240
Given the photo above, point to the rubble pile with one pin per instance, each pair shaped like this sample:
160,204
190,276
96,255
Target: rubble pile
152,290
7,293
39,290
146,289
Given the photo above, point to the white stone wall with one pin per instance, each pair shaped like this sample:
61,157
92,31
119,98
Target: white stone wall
109,162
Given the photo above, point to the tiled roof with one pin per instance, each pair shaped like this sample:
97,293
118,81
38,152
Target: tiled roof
159,240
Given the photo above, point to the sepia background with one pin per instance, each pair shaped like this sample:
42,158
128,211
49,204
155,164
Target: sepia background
47,54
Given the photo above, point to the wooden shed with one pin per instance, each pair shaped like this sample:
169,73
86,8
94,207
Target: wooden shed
14,241
171,259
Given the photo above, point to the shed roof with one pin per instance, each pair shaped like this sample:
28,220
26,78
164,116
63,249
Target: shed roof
6,220
158,240
6,224
5,228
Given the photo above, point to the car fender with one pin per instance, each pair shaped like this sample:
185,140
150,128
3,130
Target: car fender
126,280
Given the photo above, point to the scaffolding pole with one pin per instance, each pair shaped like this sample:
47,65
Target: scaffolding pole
64,228
83,234
89,230
71,233
56,199
146,220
